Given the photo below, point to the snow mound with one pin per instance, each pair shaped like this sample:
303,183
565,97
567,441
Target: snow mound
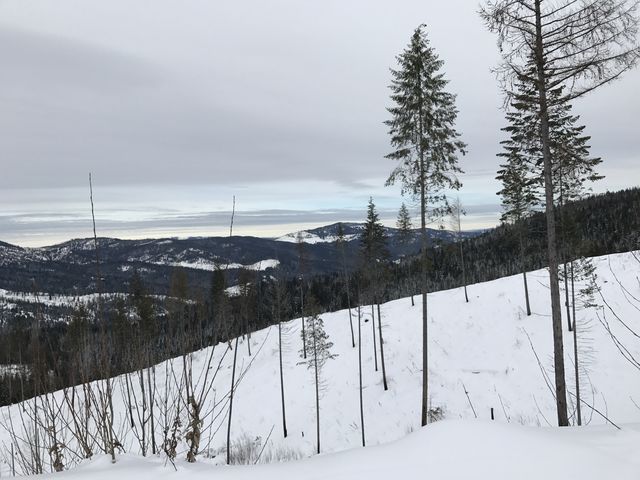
448,450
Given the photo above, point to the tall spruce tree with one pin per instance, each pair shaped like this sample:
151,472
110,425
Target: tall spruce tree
426,145
578,45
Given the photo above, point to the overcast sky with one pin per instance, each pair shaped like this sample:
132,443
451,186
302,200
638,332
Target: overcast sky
175,106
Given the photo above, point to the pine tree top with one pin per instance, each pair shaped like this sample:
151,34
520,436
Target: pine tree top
403,223
422,123
373,240
316,344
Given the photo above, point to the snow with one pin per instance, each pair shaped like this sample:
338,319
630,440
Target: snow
312,238
10,299
481,347
233,291
202,264
448,450
52,300
13,369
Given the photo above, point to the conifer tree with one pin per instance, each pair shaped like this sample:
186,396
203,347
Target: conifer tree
577,45
219,305
374,257
519,179
373,240
403,224
340,243
426,145
405,230
178,311
573,168
523,174
315,356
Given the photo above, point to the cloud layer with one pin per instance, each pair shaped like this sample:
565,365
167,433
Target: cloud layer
177,105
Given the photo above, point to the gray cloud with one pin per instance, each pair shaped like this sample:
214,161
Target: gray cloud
280,102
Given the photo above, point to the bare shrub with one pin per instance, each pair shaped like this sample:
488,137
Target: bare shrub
249,450
435,414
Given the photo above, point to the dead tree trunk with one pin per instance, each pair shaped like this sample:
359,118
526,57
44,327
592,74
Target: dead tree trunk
284,414
231,392
315,363
373,335
360,370
384,370
575,350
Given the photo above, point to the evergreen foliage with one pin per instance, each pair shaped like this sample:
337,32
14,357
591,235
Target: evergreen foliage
318,344
403,223
315,353
422,125
426,143
374,243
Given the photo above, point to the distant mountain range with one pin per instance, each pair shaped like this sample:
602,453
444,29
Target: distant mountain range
70,268
49,280
353,231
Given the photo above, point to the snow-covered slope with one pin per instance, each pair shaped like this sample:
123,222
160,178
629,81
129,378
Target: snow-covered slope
212,266
444,451
482,356
482,346
353,231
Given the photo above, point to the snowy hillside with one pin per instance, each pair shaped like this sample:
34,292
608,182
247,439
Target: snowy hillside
445,450
482,348
327,234
353,231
